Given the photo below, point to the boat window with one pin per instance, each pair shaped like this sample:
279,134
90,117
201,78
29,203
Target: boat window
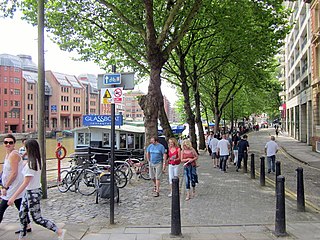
123,140
130,140
84,138
106,139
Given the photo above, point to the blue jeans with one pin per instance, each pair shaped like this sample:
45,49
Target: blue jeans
190,174
223,162
271,163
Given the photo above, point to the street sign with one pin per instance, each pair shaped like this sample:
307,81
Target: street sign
54,108
107,80
112,79
111,95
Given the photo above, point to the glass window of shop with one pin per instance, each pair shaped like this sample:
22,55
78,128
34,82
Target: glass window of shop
106,139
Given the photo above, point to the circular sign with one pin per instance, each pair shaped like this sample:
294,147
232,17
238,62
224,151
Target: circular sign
118,92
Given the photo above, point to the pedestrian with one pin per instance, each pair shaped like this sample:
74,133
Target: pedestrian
243,148
31,187
235,141
271,149
209,138
223,150
277,131
12,177
22,151
156,156
213,146
173,161
189,157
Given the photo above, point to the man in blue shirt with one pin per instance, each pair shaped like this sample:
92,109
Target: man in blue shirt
156,155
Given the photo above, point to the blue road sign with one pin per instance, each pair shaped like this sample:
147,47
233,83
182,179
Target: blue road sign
112,79
54,108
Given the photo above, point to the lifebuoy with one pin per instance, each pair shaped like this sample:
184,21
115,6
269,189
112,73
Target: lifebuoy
61,152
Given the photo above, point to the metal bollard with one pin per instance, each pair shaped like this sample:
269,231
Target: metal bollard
175,209
262,172
253,170
280,225
245,163
300,190
278,172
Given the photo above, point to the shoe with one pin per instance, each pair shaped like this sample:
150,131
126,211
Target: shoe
156,194
269,171
61,237
237,170
170,195
28,230
22,235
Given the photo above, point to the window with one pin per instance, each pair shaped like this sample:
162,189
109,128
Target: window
5,79
30,106
17,80
30,86
106,139
17,92
84,138
123,140
5,91
5,103
30,96
130,140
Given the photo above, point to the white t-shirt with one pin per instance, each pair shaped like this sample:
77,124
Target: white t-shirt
35,180
213,144
272,148
223,146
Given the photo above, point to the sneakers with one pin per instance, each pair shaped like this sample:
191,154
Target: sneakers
156,194
18,231
61,237
170,195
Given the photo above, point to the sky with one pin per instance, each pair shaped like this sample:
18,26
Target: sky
19,37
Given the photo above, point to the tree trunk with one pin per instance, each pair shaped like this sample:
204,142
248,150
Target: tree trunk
150,104
202,144
164,122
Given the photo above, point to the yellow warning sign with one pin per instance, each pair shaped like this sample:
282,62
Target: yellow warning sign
107,94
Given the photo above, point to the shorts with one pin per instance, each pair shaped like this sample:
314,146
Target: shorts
155,171
214,155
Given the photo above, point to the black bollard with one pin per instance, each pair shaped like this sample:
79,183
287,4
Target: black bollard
175,209
253,170
262,172
280,225
245,163
278,172
300,190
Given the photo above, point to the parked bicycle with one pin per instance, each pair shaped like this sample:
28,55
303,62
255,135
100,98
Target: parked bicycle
134,165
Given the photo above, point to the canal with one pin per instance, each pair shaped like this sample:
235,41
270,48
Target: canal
52,162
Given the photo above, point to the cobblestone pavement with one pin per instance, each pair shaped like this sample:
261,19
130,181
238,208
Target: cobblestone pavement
301,154
230,198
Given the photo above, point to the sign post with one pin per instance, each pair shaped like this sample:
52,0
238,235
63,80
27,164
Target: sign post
112,86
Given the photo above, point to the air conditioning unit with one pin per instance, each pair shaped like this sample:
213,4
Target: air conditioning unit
318,146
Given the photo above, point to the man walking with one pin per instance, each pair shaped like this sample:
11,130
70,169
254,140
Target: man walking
271,149
223,150
213,146
243,148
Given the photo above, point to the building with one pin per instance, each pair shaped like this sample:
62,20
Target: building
297,58
132,110
92,97
315,82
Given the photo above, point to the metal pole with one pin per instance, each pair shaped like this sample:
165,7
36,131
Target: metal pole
262,172
253,170
112,163
175,209
280,225
278,172
41,101
245,163
300,190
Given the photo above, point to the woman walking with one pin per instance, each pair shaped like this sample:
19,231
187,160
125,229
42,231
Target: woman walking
33,193
189,157
12,177
173,161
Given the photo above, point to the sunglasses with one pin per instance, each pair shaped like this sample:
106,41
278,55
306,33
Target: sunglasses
10,142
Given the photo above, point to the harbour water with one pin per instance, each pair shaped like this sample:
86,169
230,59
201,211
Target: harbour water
52,162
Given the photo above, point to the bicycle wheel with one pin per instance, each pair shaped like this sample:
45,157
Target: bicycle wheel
65,181
125,167
144,171
120,178
87,183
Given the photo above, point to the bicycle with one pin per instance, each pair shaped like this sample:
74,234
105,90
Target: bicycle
70,179
135,165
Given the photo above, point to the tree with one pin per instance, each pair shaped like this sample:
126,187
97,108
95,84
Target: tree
139,34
